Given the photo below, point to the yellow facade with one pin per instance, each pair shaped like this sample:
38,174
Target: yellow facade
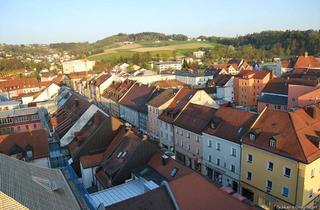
299,183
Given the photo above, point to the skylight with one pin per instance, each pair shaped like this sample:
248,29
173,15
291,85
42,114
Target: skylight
174,172
119,154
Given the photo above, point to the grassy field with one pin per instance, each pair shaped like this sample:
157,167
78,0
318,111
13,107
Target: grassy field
164,49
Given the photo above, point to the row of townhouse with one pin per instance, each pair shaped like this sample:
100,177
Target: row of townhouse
271,158
127,171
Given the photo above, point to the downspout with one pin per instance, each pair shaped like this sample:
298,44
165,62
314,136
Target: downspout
298,174
168,189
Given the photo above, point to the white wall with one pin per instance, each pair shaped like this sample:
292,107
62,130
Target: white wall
48,93
129,115
43,162
88,176
226,159
226,92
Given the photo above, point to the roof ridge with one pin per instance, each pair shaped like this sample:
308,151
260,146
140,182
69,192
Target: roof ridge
295,133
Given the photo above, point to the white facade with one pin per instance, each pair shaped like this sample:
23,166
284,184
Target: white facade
222,160
225,92
198,54
9,105
193,80
77,66
48,93
167,130
88,176
153,78
162,66
129,115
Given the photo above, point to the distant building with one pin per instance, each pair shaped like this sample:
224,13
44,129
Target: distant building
167,65
248,85
198,54
274,67
194,78
19,86
19,120
99,84
77,66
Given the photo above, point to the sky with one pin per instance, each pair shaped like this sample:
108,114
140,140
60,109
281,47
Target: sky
49,21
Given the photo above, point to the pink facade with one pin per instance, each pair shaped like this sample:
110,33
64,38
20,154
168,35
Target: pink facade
296,91
262,105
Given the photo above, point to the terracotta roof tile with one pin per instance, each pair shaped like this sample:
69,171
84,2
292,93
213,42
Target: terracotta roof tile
307,62
195,192
163,97
37,139
179,102
294,130
195,118
231,124
173,83
138,97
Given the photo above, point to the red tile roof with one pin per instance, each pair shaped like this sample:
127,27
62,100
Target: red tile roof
37,139
67,115
195,192
277,86
165,170
19,83
90,161
77,75
231,124
101,79
247,74
307,62
116,90
195,118
138,97
294,131
173,83
179,102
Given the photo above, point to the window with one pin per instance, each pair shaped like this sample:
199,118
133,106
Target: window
312,173
285,192
218,146
209,143
233,152
209,158
249,158
34,125
218,161
310,193
233,168
198,139
197,151
249,175
174,172
188,135
272,143
269,185
189,147
287,172
252,137
270,166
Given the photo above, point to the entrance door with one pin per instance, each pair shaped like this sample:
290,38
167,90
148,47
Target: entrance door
235,186
248,194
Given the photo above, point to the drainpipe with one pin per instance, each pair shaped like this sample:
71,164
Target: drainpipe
173,199
298,174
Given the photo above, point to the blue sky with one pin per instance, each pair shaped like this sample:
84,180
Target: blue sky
47,21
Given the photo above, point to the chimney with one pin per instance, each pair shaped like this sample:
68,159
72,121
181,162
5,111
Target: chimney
306,54
311,111
76,101
96,120
212,124
144,137
164,159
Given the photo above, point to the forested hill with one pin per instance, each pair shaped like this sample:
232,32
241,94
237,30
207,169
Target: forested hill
290,42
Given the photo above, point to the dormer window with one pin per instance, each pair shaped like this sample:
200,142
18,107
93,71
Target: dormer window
252,136
272,143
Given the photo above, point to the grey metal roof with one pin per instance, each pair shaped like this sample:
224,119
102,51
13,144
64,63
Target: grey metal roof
18,112
122,192
35,187
274,99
